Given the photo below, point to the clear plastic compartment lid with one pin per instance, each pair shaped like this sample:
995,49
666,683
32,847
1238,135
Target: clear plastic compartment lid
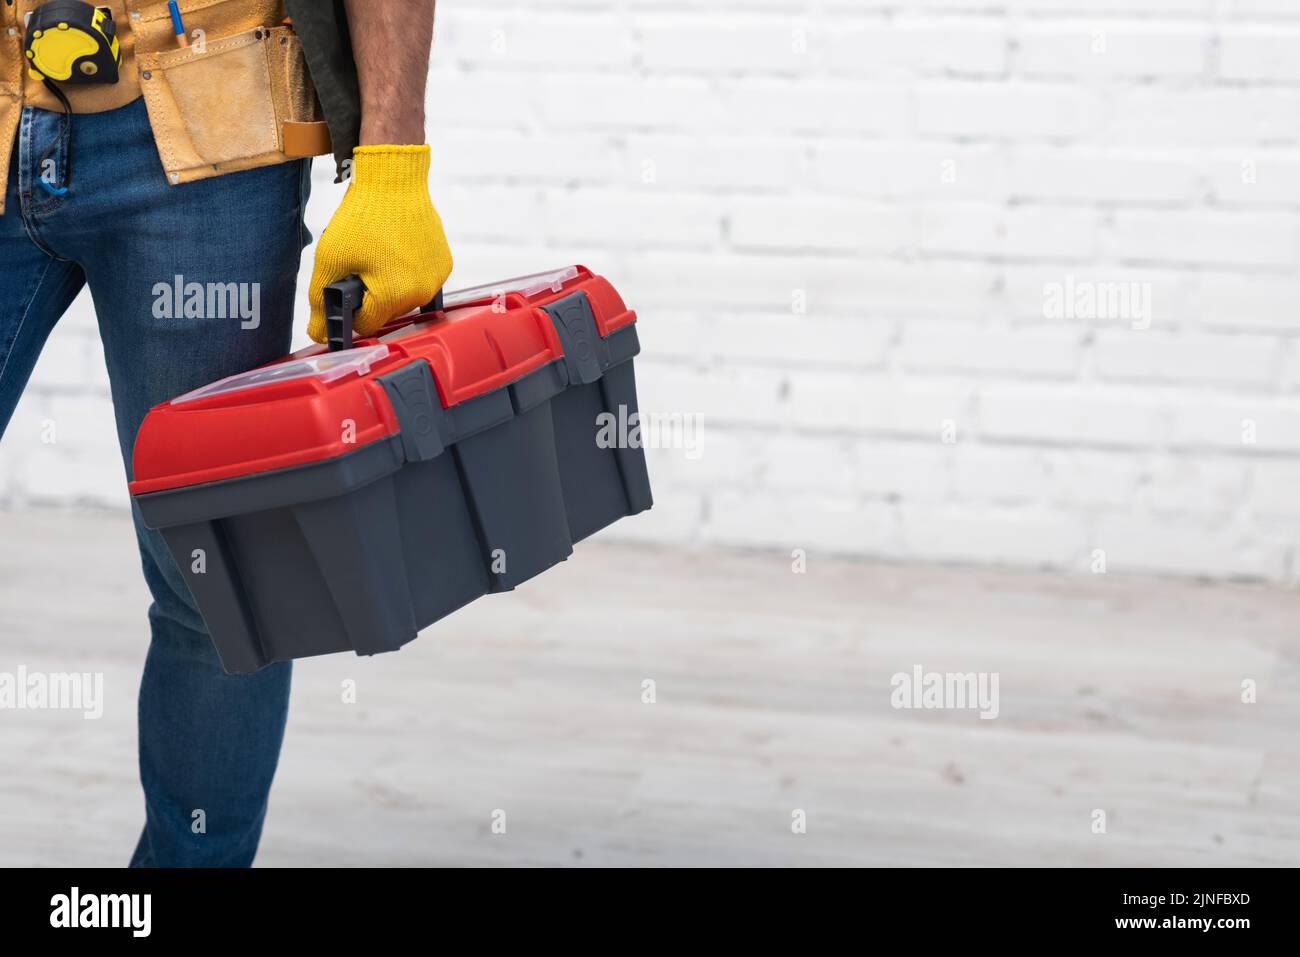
326,366
527,286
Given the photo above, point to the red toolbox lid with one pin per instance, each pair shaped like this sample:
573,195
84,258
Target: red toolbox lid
315,404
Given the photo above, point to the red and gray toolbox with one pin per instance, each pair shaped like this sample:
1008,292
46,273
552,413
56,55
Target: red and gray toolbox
344,499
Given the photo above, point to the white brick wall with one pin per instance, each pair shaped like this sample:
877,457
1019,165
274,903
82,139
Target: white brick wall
840,220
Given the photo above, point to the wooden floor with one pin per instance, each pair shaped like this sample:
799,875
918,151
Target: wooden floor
772,697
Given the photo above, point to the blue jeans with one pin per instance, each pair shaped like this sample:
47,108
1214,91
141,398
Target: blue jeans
209,742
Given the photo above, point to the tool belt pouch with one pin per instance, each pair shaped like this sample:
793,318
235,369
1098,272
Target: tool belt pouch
232,103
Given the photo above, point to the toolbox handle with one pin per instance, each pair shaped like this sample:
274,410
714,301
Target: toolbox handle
343,299
435,305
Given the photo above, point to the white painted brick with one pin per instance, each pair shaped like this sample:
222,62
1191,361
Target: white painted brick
1126,7
1213,117
1042,232
661,279
1090,175
907,288
537,39
1266,54
490,156
608,218
1237,424
722,397
1189,359
83,423
1192,486
815,108
1247,302
1290,376
780,340
878,469
1112,48
1070,415
908,472
828,285
479,262
941,6
934,173
80,319
1117,296
729,6
963,347
60,474
462,208
1060,233
803,464
722,456
1034,537
994,110
964,46
1153,482
1243,9
1256,178
813,523
1282,533
1196,237
1275,488
1174,545
845,402
1001,474
708,162
27,429
1087,479
562,102
833,225
70,362
716,45
483,101
674,335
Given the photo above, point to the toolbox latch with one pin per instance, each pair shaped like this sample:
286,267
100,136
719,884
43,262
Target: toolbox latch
414,398
586,356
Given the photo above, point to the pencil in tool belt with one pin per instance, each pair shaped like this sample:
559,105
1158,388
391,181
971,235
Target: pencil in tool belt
178,25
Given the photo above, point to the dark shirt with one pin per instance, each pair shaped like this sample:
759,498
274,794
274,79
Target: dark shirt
322,25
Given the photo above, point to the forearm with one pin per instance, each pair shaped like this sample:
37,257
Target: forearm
391,40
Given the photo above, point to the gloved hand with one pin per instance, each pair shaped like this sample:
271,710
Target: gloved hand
387,232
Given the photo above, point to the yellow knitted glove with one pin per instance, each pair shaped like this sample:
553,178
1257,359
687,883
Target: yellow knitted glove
387,232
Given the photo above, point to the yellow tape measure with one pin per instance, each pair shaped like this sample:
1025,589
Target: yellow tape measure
70,41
